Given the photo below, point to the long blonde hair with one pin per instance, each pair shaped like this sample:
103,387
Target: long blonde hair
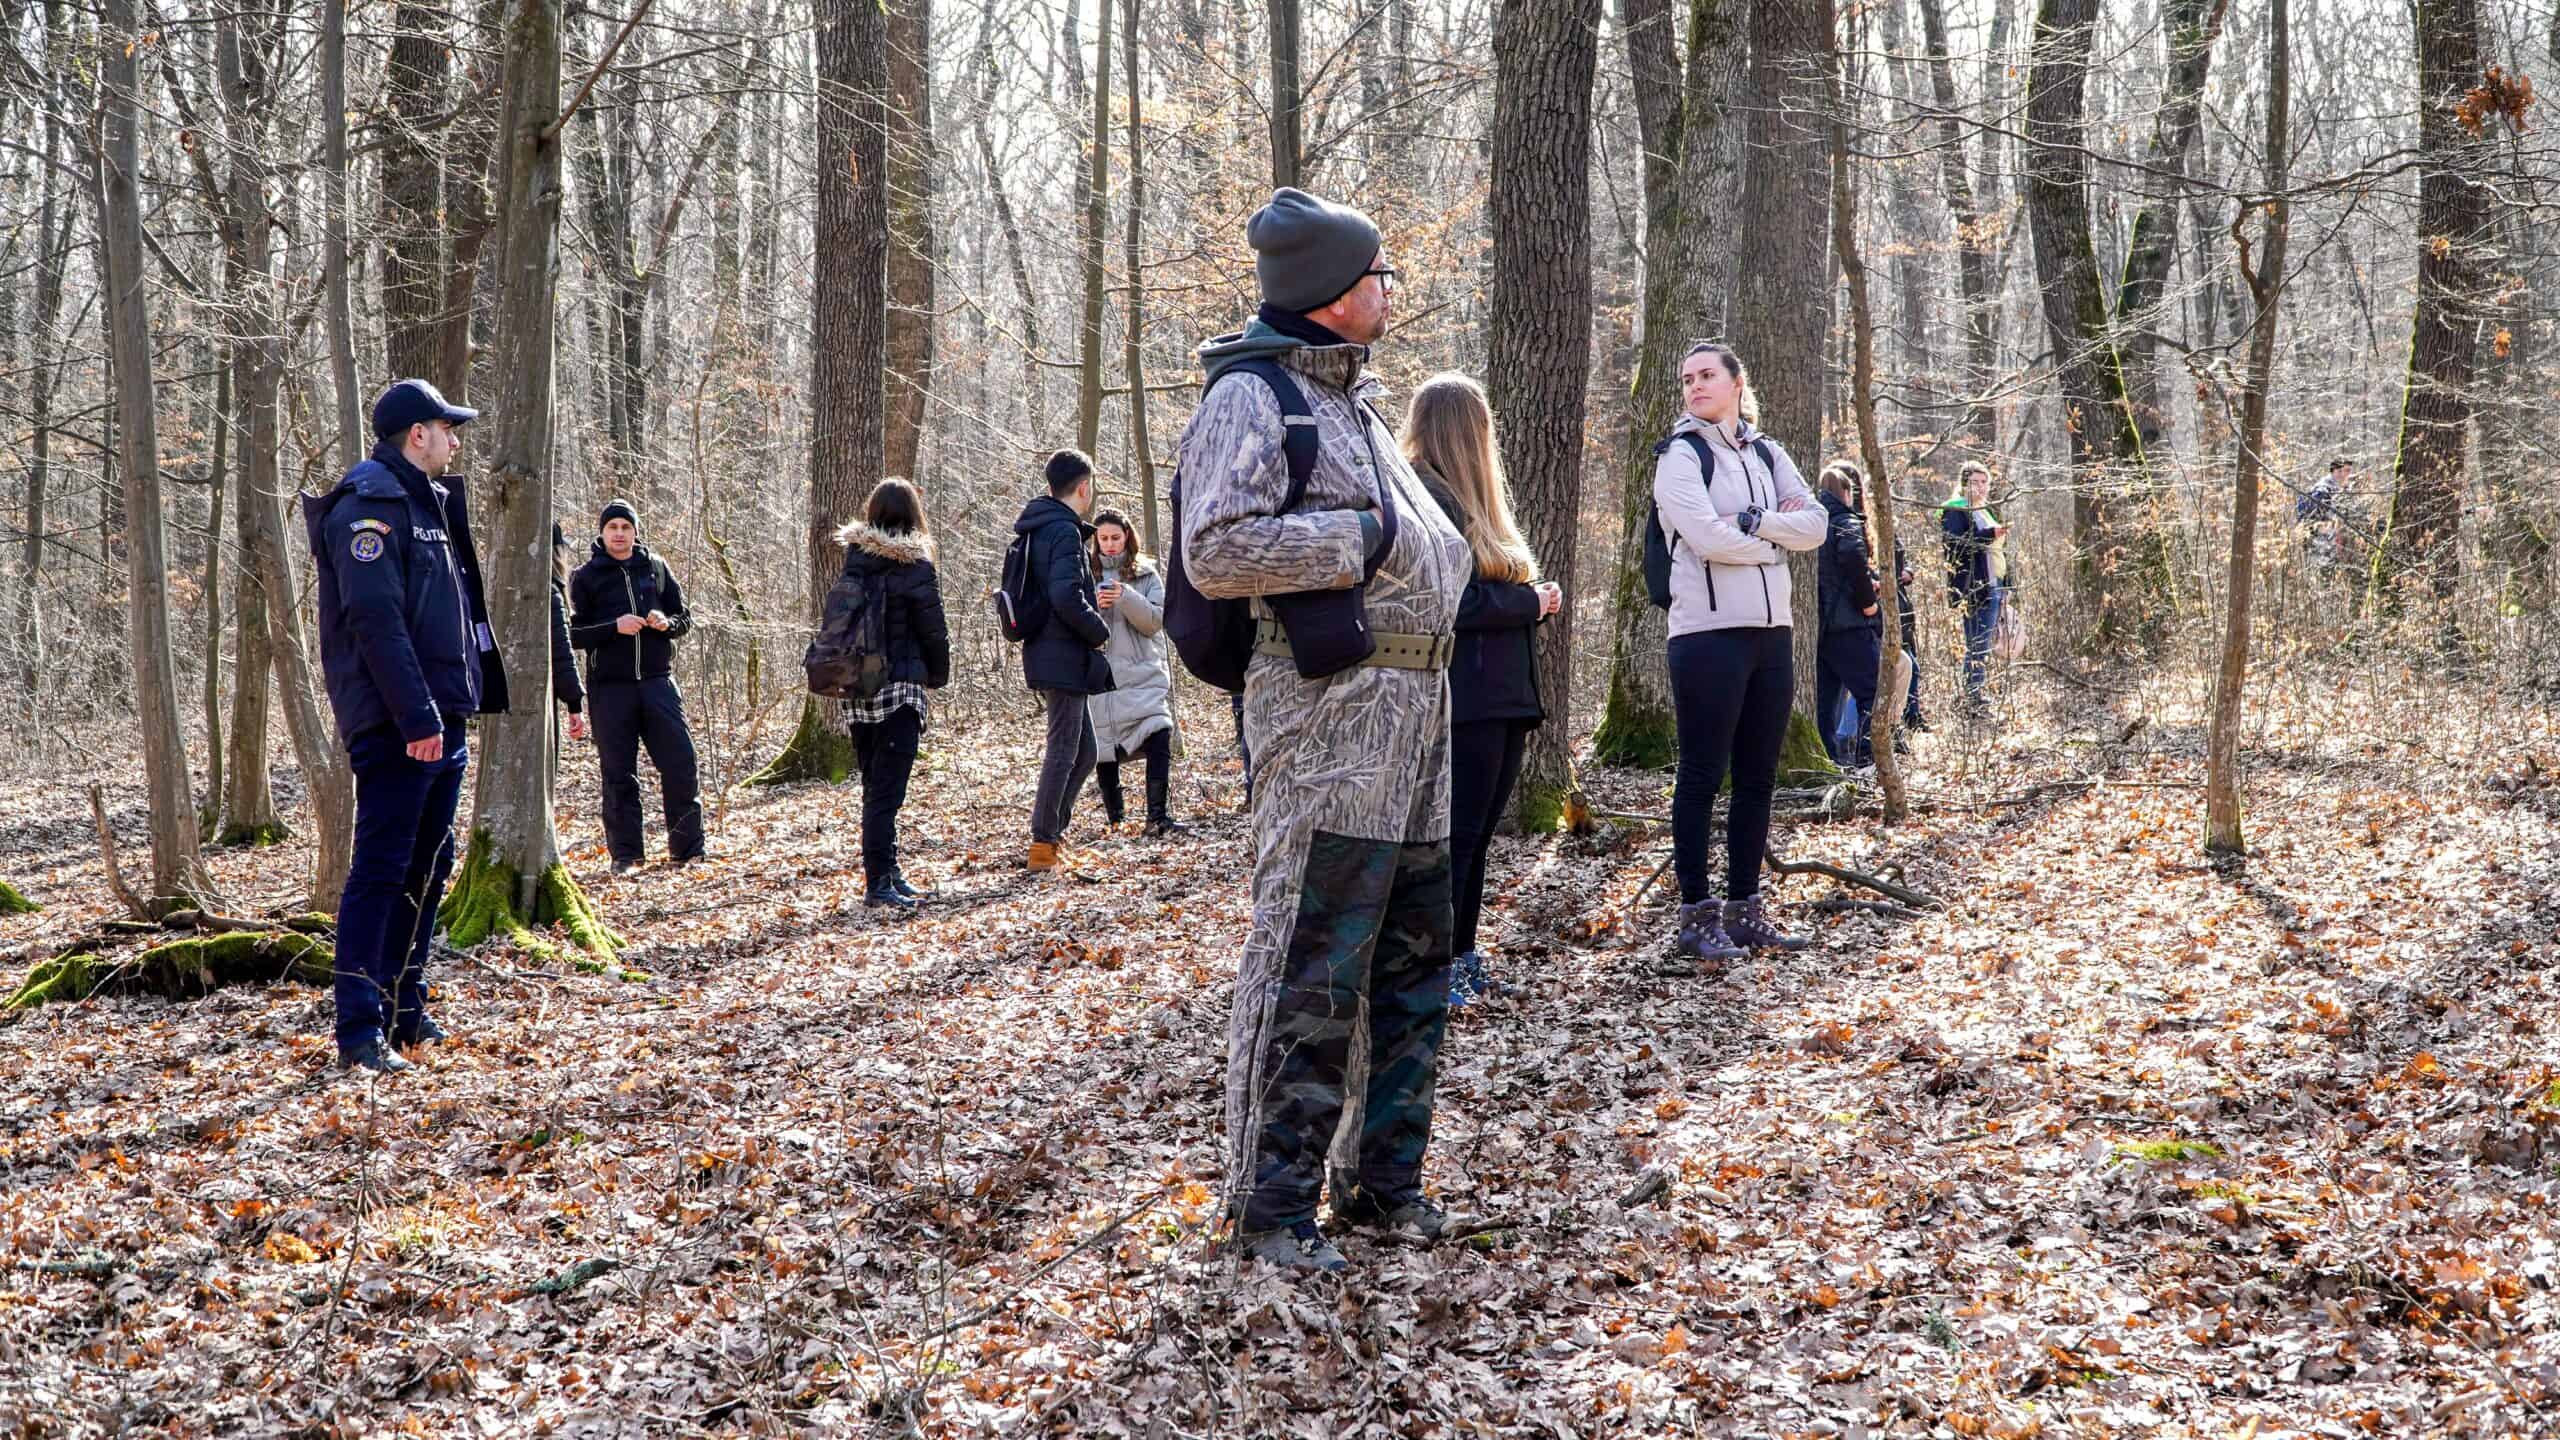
1448,429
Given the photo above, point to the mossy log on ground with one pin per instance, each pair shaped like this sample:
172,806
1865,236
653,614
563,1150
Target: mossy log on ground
482,905
819,750
181,969
14,902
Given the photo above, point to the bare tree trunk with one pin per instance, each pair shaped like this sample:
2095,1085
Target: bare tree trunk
1034,390
1974,248
2123,569
53,242
336,306
1691,258
1097,217
2265,280
1780,321
511,876
1887,713
248,799
2192,27
912,252
1133,353
212,602
2453,225
435,207
1545,54
1288,97
848,303
175,872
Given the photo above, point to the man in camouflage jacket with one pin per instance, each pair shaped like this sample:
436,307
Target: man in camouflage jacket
1341,995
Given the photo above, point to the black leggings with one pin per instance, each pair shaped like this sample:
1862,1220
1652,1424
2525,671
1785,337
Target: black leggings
1158,748
886,753
1731,691
1484,767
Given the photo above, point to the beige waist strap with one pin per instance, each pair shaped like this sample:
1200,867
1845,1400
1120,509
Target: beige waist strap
1394,652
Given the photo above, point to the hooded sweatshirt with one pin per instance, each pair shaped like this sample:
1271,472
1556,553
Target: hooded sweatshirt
1721,578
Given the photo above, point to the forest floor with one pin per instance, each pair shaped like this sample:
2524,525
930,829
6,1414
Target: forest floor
2116,1144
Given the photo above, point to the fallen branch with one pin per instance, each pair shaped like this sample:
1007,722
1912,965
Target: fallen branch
987,1311
107,850
1840,906
1903,893
2083,681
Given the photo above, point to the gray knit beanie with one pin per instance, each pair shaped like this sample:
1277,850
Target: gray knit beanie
1308,252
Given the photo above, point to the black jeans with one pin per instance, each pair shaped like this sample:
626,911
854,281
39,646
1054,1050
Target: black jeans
627,716
1730,695
886,755
1484,768
1847,660
1158,748
1064,765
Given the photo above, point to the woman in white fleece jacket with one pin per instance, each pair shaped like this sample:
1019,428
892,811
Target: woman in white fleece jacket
1731,501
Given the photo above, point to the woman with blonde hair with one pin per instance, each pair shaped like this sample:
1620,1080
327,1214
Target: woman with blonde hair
1493,676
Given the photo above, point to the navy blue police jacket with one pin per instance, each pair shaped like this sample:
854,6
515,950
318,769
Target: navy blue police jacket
404,622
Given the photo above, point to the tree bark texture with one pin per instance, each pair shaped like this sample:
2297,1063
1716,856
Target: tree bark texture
1288,97
912,252
1133,357
2265,279
2418,543
1545,55
2122,568
336,304
1097,219
435,206
55,213
1780,320
2192,27
1976,250
175,872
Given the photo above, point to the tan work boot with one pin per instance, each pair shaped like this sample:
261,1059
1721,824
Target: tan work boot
1044,856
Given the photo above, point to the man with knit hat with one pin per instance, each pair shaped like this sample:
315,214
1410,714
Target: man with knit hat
625,611
1342,989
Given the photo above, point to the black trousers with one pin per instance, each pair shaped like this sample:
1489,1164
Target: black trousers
886,755
1847,660
1484,768
1158,748
1730,695
627,716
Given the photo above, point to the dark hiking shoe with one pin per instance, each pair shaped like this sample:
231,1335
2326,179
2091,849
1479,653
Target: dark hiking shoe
427,1033
1410,1217
1165,827
375,1056
1470,981
898,882
1702,938
625,867
1301,1247
1747,921
881,892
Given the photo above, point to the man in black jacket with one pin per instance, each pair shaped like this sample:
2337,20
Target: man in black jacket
1063,659
625,611
1851,623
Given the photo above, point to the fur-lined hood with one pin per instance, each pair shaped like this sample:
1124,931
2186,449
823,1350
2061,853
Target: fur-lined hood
902,549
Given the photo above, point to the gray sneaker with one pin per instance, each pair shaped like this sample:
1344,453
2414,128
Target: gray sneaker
1300,1247
1747,921
1410,1217
1702,934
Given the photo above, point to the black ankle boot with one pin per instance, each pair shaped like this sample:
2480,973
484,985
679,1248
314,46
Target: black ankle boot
881,892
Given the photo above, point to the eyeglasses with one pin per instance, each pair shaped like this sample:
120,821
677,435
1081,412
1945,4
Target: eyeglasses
1386,278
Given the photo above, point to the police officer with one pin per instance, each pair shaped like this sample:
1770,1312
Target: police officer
625,611
406,650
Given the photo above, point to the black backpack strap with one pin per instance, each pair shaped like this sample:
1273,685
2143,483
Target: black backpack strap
1300,436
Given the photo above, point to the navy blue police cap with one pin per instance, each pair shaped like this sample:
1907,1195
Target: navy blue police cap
415,402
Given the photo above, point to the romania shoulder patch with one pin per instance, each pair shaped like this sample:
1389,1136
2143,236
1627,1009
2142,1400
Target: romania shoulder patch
378,527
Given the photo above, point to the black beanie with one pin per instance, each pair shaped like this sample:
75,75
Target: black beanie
618,510
1308,252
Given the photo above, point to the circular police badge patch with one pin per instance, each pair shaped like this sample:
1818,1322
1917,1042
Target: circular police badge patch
367,546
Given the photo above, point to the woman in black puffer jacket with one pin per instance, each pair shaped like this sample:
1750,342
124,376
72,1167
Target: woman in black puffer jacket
892,544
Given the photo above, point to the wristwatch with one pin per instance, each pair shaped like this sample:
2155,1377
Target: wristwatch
1748,522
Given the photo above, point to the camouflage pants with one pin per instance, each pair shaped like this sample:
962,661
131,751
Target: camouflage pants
1365,975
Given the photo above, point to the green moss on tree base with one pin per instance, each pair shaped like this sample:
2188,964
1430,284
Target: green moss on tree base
1541,810
1634,733
271,832
181,969
14,902
818,751
482,905
1804,757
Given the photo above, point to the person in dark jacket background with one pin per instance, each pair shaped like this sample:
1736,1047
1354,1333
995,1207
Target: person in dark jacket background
1063,661
1493,675
625,611
1852,620
892,546
407,656
1972,534
565,688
